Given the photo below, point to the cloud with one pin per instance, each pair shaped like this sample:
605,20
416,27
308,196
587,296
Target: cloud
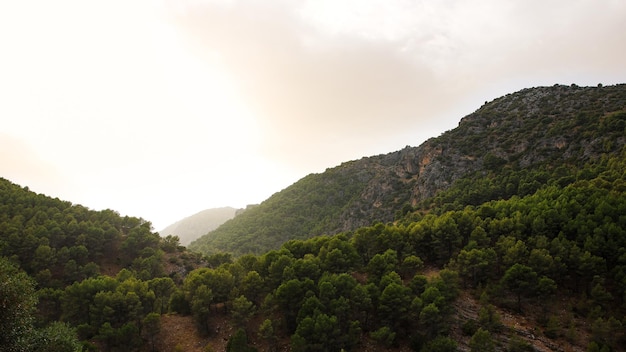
18,161
313,90
162,108
324,73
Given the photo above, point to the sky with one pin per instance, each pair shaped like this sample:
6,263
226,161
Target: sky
162,108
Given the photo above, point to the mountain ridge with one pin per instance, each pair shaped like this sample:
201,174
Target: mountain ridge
198,224
565,125
524,250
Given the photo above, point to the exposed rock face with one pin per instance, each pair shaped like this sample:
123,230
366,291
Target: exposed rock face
520,129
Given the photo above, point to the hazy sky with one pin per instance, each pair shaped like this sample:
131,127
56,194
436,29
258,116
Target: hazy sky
160,109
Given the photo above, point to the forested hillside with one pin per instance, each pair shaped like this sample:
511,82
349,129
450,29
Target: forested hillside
95,271
552,130
514,240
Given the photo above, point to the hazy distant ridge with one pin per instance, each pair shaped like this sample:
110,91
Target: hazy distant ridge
199,224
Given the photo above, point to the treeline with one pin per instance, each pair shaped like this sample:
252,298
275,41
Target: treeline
55,260
309,207
513,145
332,291
389,284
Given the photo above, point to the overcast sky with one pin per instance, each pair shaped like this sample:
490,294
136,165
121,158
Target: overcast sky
160,109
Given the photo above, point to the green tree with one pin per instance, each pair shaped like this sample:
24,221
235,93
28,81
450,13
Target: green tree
18,302
116,308
480,237
546,288
418,284
518,345
362,306
170,243
317,333
382,264
475,265
448,284
446,235
384,336
163,288
239,342
252,286
266,332
394,304
310,306
552,327
290,296
520,279
542,262
512,251
151,326
242,310
431,319
78,298
481,341
44,257
200,307
410,265
179,303
440,344
489,318
56,337
139,239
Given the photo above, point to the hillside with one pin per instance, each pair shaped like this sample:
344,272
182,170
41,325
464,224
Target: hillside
54,253
520,246
553,129
542,272
199,224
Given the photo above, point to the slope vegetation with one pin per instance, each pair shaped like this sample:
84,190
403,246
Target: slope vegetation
520,246
554,129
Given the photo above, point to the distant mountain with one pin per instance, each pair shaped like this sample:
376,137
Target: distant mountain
199,224
510,146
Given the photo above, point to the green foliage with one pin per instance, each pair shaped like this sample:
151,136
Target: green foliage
481,341
320,333
151,326
200,307
552,327
529,203
239,342
440,344
384,336
18,300
513,146
518,345
394,303
266,331
489,319
242,310
521,280
284,216
57,337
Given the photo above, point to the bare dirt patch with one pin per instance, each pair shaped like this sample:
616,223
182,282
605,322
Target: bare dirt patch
522,326
179,333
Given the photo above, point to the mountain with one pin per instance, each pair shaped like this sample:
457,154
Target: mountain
552,130
520,245
196,225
